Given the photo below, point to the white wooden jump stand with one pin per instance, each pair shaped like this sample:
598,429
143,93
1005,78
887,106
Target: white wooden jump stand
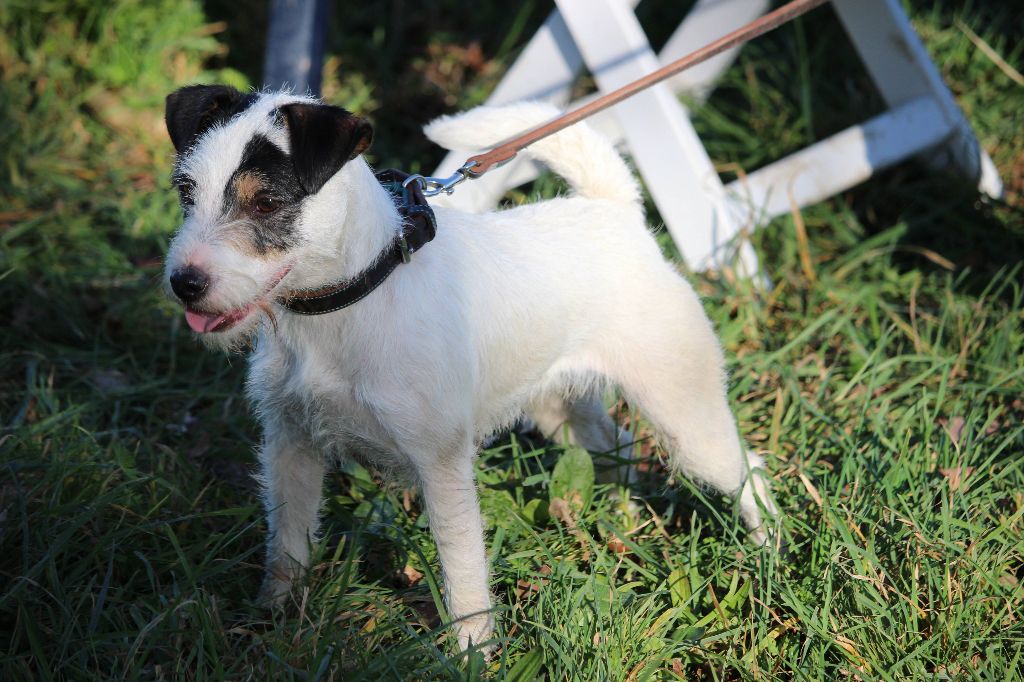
703,215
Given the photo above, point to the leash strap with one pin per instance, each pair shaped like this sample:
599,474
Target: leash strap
419,227
477,165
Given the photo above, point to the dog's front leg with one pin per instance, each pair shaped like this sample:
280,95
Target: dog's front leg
292,478
449,495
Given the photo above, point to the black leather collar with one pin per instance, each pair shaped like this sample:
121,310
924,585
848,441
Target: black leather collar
418,228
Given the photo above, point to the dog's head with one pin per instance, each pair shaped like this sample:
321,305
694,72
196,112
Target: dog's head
249,172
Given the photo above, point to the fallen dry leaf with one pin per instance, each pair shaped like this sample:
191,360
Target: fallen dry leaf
957,476
561,510
811,490
30,411
1008,580
847,644
616,546
954,426
525,587
409,576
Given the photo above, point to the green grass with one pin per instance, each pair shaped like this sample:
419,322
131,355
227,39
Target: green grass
881,375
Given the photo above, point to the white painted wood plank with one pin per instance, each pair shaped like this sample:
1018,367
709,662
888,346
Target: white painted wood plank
708,20
902,69
840,161
545,69
665,148
924,115
548,65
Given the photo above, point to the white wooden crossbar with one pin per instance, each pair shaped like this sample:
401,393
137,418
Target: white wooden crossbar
851,156
703,215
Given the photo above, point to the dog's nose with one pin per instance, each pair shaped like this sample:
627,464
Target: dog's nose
189,283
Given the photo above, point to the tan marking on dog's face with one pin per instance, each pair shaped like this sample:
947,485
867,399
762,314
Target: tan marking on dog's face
243,220
262,202
246,186
237,230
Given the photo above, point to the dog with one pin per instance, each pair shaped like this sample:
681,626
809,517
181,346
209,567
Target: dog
528,309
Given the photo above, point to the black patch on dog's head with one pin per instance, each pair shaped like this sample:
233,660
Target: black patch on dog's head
265,176
323,138
190,111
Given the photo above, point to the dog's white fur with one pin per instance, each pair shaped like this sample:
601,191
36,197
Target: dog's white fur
502,312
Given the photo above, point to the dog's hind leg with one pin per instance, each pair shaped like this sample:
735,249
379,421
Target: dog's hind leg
674,374
587,424
291,475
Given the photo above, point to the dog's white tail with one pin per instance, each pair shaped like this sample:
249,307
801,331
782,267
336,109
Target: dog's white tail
584,158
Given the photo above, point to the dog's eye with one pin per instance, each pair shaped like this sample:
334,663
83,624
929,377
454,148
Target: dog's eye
185,189
265,203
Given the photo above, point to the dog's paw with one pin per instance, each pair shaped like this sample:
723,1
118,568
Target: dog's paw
274,591
759,536
475,632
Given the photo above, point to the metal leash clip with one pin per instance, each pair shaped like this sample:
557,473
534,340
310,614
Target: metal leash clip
431,187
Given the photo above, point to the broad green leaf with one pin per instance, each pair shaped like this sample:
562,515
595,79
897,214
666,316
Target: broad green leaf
527,668
680,590
536,512
573,479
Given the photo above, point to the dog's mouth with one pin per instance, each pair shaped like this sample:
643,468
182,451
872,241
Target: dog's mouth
203,322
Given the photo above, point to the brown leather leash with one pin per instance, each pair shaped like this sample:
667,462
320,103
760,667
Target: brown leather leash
476,166
418,224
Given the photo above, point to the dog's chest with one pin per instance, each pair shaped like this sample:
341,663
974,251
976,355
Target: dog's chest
320,400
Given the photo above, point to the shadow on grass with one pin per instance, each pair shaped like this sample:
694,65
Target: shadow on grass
944,214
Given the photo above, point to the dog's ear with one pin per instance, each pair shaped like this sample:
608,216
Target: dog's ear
323,138
191,110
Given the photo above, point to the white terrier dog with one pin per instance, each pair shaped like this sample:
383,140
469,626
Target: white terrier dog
505,312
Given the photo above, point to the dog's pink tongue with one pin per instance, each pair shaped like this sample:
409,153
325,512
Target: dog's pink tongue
202,322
